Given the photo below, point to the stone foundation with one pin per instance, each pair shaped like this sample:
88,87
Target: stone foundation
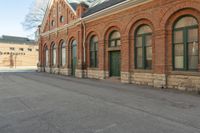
182,82
65,71
47,69
55,70
125,77
80,73
150,79
96,74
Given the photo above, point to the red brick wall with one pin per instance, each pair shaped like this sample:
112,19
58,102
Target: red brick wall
160,15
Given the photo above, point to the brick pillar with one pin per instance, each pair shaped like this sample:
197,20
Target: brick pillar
159,52
125,60
101,59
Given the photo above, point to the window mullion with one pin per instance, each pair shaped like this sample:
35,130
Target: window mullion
143,52
185,36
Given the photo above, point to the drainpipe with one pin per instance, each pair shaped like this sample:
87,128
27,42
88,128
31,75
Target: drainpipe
84,37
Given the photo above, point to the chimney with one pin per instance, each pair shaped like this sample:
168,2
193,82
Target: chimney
81,9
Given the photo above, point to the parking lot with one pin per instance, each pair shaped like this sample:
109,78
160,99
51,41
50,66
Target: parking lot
33,102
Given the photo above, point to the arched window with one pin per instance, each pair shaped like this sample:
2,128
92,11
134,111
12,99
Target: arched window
94,51
53,54
74,57
63,53
143,48
46,56
114,39
185,44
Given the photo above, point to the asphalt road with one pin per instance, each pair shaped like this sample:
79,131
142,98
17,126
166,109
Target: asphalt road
43,103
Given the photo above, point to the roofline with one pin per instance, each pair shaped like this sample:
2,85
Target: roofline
115,9
50,3
100,14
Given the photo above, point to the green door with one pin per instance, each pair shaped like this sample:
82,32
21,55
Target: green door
115,62
74,58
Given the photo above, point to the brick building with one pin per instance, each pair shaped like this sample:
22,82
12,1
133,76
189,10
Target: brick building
18,52
147,42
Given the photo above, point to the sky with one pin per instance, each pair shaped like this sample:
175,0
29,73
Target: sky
12,13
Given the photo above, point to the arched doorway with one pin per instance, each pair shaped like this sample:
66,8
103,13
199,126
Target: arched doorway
115,54
74,57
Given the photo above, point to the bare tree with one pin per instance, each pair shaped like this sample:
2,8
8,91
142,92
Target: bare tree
35,15
37,11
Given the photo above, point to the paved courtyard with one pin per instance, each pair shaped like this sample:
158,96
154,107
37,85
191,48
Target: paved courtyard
43,103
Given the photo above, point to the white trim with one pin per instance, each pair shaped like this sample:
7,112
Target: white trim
115,9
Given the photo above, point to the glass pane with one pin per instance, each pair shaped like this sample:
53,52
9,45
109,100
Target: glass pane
138,41
54,56
186,21
193,49
95,39
144,29
46,58
63,44
92,47
193,35
118,42
148,40
74,43
149,57
92,58
96,59
179,56
112,43
149,53
63,56
115,35
96,46
193,62
178,36
178,49
179,62
139,58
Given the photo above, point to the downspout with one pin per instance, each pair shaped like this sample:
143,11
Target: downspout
84,37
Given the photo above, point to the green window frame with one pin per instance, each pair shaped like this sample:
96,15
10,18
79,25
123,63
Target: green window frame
185,36
94,52
62,53
143,47
46,52
114,39
53,59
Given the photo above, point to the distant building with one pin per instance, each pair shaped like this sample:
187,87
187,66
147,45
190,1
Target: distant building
18,52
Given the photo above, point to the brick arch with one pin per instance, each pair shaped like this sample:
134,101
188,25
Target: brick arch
168,26
144,17
181,13
131,35
90,34
88,38
184,7
134,27
111,27
70,40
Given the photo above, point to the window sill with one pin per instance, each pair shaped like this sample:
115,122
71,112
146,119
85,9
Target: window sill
93,68
142,70
187,73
